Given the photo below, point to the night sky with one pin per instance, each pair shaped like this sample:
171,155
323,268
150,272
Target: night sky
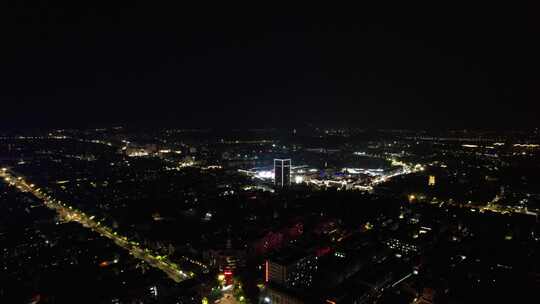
407,66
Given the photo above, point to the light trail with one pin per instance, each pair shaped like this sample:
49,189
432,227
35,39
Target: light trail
71,214
402,279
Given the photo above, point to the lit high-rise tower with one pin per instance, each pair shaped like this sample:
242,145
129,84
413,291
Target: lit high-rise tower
431,180
282,172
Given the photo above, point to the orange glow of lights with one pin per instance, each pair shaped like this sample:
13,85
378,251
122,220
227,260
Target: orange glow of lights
104,264
330,302
266,276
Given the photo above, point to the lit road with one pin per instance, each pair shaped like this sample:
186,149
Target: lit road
69,213
491,206
228,299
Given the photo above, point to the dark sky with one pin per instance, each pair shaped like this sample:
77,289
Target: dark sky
274,65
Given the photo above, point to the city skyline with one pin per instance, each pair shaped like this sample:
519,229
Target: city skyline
259,216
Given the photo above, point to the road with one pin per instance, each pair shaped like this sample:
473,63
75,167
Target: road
69,213
228,299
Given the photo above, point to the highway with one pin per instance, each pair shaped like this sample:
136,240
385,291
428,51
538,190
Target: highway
69,213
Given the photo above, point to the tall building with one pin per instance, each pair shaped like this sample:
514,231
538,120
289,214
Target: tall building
431,180
289,278
282,172
291,271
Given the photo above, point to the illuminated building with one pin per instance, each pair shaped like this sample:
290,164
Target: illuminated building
291,271
415,242
403,247
275,294
426,298
282,172
431,180
228,276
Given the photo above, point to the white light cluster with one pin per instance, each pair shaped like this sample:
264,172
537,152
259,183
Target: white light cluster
265,174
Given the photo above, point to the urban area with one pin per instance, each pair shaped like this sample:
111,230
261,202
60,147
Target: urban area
277,216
